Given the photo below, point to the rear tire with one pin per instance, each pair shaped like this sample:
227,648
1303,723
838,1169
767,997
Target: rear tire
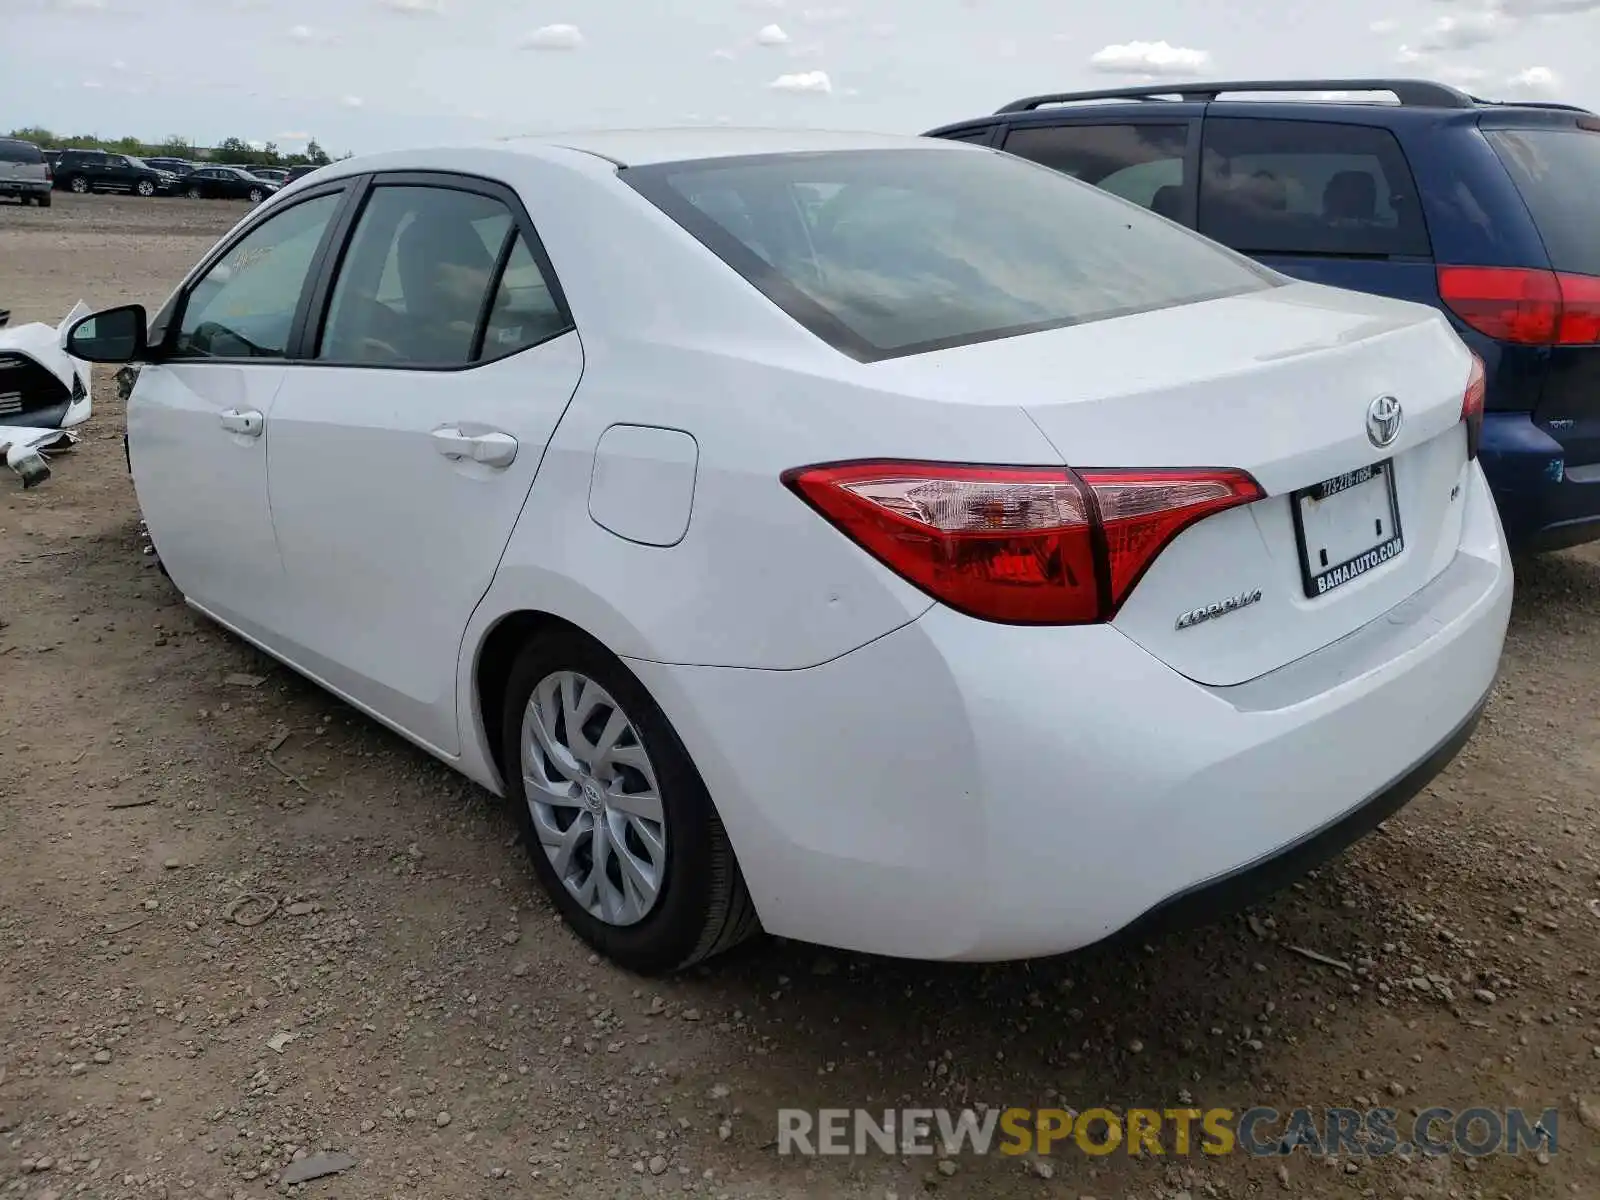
145,188
42,201
79,185
193,193
701,906
256,195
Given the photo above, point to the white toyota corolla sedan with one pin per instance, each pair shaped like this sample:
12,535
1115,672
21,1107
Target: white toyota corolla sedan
888,543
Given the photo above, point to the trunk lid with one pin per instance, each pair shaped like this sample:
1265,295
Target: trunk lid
1278,383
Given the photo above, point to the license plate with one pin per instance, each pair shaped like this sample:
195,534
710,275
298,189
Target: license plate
1346,526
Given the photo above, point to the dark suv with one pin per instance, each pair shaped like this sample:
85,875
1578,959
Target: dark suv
1488,211
85,171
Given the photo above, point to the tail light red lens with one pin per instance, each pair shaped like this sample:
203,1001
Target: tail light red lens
1472,406
1528,307
1021,545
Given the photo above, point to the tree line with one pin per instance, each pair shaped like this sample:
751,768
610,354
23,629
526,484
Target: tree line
228,150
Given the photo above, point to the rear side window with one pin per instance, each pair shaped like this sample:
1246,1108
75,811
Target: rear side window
890,252
19,152
437,276
1558,173
1142,163
1307,187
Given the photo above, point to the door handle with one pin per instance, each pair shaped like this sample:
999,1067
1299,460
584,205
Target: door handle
249,422
493,449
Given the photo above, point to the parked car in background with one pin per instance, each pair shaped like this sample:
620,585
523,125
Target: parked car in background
176,166
226,183
271,174
299,172
50,156
1486,211
861,658
24,173
85,171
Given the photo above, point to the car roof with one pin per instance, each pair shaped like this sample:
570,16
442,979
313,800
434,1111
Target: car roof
641,147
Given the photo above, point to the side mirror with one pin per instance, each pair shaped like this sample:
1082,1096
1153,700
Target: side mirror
113,335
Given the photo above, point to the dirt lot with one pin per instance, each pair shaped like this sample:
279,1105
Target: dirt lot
446,1031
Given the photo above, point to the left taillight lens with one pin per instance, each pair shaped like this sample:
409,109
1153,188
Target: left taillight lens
1021,545
1472,406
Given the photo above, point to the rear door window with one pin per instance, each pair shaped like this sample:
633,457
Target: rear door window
20,152
1558,173
1139,162
894,252
1308,188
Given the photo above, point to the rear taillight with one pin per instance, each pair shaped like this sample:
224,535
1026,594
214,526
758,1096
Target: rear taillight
1022,545
1472,406
1529,307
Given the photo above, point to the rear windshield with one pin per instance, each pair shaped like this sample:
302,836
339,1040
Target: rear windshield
1558,173
19,152
890,252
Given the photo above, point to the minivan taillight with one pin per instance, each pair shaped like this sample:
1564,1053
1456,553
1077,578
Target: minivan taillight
1528,307
1021,545
1472,406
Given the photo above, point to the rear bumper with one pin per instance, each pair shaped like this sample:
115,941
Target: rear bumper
964,790
1542,505
24,187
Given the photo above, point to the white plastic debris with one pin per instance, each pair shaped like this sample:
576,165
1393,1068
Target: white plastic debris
46,346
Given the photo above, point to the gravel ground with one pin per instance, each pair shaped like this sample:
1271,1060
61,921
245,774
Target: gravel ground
412,1000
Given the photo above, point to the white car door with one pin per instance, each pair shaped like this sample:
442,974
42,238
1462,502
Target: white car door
402,454
197,417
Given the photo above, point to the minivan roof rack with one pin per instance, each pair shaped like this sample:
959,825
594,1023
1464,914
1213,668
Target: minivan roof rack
1550,104
1417,93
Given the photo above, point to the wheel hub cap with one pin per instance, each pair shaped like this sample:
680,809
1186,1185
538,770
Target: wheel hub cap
593,797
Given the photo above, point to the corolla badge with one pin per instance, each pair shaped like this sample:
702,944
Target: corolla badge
1221,608
1384,418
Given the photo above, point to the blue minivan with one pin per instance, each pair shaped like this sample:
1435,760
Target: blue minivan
1489,211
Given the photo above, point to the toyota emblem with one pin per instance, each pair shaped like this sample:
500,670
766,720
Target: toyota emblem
1384,418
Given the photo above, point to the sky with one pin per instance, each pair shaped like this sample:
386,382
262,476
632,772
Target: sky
365,75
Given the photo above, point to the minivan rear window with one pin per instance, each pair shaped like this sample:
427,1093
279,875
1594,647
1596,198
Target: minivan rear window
1558,173
19,152
891,252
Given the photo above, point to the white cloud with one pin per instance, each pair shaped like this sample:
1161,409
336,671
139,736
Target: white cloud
83,5
723,55
772,35
119,65
256,145
1535,83
1406,55
352,102
815,82
293,138
93,85
1149,58
883,29
306,35
1468,30
1383,26
554,37
414,7
830,16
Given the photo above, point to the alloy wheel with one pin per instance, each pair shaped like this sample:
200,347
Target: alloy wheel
255,195
594,799
80,185
146,188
